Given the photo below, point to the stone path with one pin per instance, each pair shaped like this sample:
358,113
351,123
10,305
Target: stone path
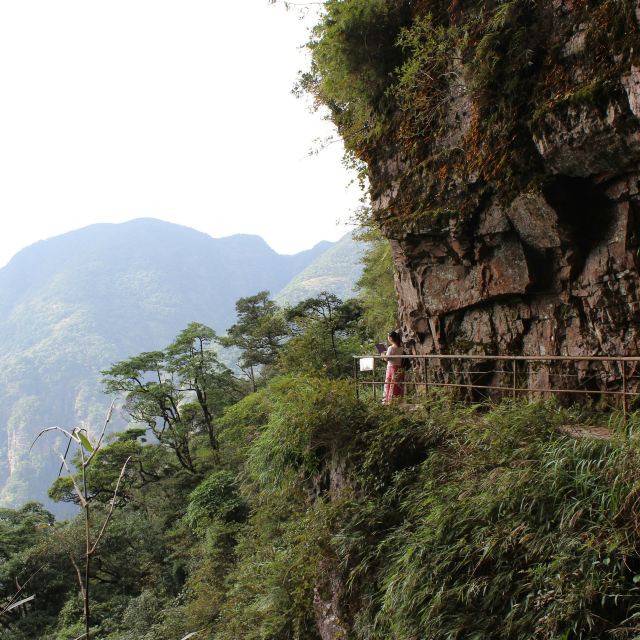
586,431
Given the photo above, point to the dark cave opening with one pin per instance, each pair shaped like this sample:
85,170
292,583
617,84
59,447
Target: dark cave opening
583,209
542,268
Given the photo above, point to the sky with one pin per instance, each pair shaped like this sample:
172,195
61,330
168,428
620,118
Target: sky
173,109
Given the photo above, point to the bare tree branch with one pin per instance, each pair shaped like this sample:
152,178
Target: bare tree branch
66,453
81,497
113,503
69,434
79,574
104,428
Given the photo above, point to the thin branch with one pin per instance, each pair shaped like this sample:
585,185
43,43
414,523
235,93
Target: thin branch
80,582
66,433
66,453
83,502
104,428
87,539
113,503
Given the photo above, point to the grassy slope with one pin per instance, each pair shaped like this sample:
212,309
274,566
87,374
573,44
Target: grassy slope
450,522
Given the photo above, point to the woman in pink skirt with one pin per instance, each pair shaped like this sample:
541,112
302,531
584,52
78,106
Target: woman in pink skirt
393,383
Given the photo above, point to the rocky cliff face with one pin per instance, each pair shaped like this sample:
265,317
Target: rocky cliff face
528,278
539,255
501,140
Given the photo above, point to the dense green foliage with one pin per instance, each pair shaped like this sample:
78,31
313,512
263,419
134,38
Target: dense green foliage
258,334
326,333
376,285
178,392
443,521
354,56
72,305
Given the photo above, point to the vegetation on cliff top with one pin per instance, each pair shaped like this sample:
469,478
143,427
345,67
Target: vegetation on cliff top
454,92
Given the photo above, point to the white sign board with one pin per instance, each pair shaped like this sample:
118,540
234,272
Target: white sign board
366,364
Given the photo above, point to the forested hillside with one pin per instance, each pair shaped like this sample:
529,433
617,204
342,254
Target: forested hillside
336,270
501,145
72,305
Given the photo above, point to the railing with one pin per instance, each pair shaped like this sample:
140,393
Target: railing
482,377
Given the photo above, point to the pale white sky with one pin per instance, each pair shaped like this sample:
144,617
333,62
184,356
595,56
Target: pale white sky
174,109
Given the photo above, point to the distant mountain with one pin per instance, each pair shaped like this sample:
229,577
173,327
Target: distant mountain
72,305
336,270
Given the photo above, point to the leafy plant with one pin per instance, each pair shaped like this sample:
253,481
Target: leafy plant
87,452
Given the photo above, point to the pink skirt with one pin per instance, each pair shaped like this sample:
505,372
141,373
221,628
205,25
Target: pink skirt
395,375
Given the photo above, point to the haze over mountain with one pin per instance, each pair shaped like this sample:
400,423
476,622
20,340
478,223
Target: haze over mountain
335,270
72,305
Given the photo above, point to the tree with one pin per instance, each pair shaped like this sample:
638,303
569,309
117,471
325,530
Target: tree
259,334
326,309
326,332
147,464
86,453
191,358
377,290
177,392
31,589
152,398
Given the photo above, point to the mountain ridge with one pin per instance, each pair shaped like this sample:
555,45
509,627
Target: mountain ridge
72,305
336,270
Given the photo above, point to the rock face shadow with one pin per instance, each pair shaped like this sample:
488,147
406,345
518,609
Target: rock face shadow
545,263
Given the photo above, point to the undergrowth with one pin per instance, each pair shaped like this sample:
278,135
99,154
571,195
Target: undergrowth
443,522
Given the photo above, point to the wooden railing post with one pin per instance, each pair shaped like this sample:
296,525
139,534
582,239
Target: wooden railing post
624,389
373,377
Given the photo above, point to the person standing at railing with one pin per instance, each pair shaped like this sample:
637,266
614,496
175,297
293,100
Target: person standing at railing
394,380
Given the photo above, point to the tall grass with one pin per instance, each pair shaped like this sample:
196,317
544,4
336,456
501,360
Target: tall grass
443,522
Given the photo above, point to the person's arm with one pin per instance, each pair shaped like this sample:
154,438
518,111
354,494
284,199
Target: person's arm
391,352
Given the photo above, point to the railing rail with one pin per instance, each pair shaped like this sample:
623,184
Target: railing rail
491,376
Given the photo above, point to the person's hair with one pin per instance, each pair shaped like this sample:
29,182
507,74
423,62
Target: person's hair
395,338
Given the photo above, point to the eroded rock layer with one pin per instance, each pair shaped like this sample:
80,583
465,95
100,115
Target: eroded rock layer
546,262
532,278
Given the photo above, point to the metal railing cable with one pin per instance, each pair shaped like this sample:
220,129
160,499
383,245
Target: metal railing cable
484,377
